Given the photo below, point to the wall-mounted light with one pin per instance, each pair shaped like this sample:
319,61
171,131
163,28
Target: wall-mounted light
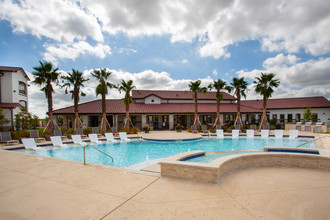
14,91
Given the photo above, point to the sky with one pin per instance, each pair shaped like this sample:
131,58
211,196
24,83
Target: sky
165,44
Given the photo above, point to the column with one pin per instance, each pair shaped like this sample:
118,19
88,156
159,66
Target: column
171,122
85,121
65,122
144,120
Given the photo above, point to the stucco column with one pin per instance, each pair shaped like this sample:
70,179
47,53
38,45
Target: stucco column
85,121
144,120
171,122
65,122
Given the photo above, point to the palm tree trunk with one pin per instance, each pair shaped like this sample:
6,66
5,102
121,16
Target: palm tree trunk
50,110
104,122
217,122
264,114
238,117
196,110
77,123
127,117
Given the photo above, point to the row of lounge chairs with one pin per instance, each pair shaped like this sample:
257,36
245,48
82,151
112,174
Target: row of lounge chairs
264,133
30,143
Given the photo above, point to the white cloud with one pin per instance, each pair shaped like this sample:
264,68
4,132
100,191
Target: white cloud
306,78
74,50
53,19
127,51
215,73
184,61
288,26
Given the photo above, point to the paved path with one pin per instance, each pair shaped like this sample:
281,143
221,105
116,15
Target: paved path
35,187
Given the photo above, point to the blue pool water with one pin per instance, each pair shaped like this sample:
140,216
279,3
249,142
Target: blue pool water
125,154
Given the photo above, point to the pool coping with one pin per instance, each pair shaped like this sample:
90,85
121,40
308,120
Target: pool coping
217,169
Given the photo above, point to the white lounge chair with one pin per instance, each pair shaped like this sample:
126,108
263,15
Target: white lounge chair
77,140
264,133
29,143
110,138
235,133
93,138
123,136
293,134
220,133
57,141
278,133
250,133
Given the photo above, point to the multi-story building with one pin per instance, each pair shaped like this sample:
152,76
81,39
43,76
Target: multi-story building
13,92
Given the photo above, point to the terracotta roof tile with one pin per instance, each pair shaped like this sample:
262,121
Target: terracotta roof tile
117,106
9,105
290,103
167,94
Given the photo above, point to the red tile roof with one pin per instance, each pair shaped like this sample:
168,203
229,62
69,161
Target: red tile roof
290,103
117,107
167,94
9,105
13,69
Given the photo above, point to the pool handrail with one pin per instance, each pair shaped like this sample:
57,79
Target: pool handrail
312,141
95,149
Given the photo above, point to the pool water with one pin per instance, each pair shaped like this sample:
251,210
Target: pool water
128,153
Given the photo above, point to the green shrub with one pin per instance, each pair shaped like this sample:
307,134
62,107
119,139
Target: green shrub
135,130
125,130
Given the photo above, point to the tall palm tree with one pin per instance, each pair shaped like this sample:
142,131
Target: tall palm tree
102,76
195,88
127,87
75,79
264,86
218,85
45,75
239,85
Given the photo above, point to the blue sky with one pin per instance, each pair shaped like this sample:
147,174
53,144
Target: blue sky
167,44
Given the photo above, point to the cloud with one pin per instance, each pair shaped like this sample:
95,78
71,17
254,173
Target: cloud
306,78
127,51
288,26
74,50
57,20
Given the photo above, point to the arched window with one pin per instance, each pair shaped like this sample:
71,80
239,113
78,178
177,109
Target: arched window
22,88
23,104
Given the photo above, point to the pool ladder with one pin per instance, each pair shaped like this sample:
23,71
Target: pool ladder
95,149
312,141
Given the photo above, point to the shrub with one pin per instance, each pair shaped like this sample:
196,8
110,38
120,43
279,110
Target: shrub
135,130
125,130
189,129
87,130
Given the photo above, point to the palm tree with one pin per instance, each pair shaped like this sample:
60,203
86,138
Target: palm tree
218,85
75,79
264,86
239,85
102,89
195,88
127,87
45,75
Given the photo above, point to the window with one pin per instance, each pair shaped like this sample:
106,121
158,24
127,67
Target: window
23,104
275,117
282,118
289,117
298,117
152,100
22,88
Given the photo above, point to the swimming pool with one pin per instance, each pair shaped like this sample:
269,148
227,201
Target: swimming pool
128,153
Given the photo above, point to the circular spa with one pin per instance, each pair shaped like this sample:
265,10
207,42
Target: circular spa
129,154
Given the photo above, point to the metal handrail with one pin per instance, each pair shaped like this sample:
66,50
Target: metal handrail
312,141
95,149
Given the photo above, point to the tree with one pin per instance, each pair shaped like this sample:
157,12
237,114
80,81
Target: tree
45,75
264,86
308,114
218,85
195,88
239,85
127,87
102,89
3,120
26,121
76,80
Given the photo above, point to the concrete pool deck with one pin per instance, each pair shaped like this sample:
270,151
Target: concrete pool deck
36,187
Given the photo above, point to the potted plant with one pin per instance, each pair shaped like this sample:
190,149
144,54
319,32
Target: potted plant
147,128
178,127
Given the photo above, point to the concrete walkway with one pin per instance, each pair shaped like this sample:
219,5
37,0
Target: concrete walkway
34,187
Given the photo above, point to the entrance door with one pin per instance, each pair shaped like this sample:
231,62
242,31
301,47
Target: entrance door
165,124
94,121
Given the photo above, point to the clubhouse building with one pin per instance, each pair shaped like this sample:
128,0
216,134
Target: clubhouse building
162,110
